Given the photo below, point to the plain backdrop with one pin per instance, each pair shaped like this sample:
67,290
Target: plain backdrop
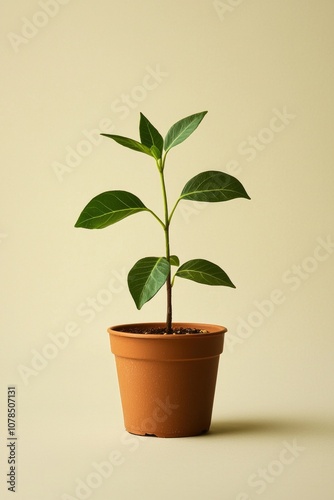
264,71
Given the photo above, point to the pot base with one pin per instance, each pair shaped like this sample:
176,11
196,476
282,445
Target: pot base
167,436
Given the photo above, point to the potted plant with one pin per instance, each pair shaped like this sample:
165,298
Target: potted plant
166,371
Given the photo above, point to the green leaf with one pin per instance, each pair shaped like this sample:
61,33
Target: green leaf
146,278
213,186
108,208
129,143
174,260
205,272
155,152
149,136
182,129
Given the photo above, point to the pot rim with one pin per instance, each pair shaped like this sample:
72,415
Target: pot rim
212,329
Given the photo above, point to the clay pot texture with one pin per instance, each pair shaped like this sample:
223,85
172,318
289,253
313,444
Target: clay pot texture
167,382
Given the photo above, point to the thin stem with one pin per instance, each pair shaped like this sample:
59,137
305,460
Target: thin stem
166,230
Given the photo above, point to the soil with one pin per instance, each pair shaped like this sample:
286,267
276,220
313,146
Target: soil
162,331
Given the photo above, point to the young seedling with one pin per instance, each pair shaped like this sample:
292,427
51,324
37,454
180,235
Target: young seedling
149,274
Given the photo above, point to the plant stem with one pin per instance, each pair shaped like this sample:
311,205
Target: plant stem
166,230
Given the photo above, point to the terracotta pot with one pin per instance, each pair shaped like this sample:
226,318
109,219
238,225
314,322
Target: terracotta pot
167,382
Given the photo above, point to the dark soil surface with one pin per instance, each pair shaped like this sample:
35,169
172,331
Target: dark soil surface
162,331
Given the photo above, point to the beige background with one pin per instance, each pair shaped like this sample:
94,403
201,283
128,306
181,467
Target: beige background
72,67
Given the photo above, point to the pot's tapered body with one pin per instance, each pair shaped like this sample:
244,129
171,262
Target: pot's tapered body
167,382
